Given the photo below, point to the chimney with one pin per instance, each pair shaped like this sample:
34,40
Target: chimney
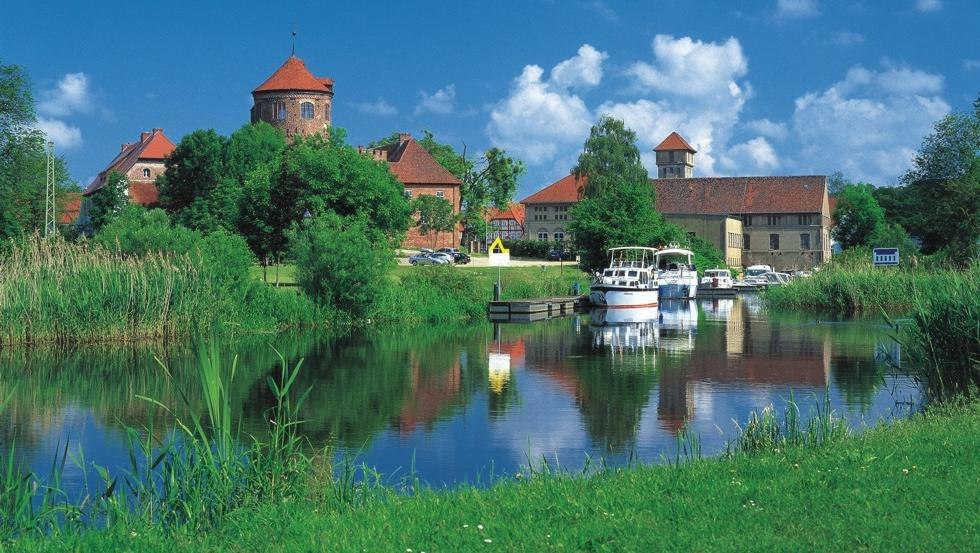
404,137
123,146
144,136
157,130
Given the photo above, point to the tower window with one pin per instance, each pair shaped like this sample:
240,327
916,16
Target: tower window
146,173
279,110
306,110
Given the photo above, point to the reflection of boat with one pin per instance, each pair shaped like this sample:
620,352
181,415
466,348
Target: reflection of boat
678,322
603,317
629,281
624,329
717,309
676,275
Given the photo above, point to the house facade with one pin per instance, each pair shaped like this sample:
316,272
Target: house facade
142,162
506,224
782,221
421,174
546,212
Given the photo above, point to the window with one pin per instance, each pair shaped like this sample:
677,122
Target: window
440,194
772,220
543,236
146,173
559,236
773,241
748,220
306,110
279,110
804,220
746,243
805,241
408,194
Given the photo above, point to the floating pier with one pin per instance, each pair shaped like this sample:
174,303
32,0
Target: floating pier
536,309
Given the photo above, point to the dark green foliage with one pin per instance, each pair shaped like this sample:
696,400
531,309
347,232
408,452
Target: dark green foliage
949,151
258,222
610,159
857,215
706,255
455,163
108,201
435,215
196,189
251,147
891,235
340,263
536,249
138,231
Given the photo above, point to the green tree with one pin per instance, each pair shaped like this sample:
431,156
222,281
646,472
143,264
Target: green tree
948,152
252,146
836,183
435,215
857,215
196,189
340,263
892,235
257,218
610,158
23,158
108,201
951,214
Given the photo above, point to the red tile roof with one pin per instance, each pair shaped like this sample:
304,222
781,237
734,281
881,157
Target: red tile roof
733,195
412,164
293,75
565,190
674,141
143,193
71,209
514,211
153,146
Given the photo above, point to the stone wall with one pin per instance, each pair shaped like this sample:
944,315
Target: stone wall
294,125
434,240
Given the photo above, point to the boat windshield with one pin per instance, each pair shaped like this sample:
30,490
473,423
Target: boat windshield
755,272
716,273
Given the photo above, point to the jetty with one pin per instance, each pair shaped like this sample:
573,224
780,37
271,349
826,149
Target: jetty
536,309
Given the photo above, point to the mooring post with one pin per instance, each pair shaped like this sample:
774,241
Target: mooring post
496,291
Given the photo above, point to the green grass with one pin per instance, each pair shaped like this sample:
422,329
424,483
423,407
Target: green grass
913,484
287,274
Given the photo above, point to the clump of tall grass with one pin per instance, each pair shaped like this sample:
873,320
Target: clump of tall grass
55,291
765,432
850,290
942,339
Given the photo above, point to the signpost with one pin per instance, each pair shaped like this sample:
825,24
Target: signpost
884,257
498,256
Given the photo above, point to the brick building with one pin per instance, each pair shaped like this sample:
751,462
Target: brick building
142,163
783,221
293,100
421,174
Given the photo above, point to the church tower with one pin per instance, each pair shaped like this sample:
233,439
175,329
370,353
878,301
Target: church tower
293,100
675,158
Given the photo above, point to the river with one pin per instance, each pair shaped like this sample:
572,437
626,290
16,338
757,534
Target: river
468,403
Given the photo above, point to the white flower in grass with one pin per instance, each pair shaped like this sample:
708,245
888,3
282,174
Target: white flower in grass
487,540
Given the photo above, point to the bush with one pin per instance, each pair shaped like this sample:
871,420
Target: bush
138,231
535,249
342,262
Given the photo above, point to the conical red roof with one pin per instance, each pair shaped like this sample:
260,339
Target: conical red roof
674,141
293,75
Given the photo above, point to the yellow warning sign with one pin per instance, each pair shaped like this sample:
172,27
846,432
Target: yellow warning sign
497,247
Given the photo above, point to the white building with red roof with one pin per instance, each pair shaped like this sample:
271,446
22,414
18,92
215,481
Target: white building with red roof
142,163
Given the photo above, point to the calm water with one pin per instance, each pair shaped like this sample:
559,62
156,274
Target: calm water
461,403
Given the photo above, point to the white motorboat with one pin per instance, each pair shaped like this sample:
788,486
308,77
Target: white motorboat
755,275
717,278
629,281
677,277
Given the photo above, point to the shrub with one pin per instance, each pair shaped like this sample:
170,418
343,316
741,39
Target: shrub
342,262
137,231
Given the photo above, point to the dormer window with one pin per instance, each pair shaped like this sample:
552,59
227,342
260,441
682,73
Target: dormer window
306,110
146,173
279,110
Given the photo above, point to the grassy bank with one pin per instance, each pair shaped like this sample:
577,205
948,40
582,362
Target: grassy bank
912,484
53,291
856,290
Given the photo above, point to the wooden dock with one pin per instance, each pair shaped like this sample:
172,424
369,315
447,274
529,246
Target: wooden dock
536,309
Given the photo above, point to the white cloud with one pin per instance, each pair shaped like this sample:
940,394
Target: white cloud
848,38
380,107
927,6
796,8
603,10
540,120
582,71
64,136
70,95
691,68
869,124
765,127
751,157
440,102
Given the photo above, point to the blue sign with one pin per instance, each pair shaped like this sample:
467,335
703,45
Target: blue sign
885,256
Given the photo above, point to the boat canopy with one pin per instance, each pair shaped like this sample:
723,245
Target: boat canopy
631,257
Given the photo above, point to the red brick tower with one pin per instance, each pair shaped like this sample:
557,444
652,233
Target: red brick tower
293,100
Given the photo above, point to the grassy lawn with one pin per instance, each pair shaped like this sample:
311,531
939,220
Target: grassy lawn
287,274
912,485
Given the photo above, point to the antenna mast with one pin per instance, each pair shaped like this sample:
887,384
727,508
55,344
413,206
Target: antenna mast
294,43
50,228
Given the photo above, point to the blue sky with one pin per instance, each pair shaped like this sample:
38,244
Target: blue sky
769,87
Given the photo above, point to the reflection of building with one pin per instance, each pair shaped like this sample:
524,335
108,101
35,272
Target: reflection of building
429,394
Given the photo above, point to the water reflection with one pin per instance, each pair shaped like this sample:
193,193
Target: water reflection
611,383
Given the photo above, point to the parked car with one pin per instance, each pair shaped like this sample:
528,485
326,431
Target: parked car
459,257
443,255
561,255
423,258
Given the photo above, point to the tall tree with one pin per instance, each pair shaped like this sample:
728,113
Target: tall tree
610,158
951,214
857,215
23,158
196,188
108,201
435,215
251,146
948,152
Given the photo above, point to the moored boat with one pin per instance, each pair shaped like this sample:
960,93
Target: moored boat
629,281
677,277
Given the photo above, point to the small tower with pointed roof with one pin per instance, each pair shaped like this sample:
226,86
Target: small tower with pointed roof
293,100
675,158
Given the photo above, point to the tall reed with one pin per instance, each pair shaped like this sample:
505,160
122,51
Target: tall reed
765,432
